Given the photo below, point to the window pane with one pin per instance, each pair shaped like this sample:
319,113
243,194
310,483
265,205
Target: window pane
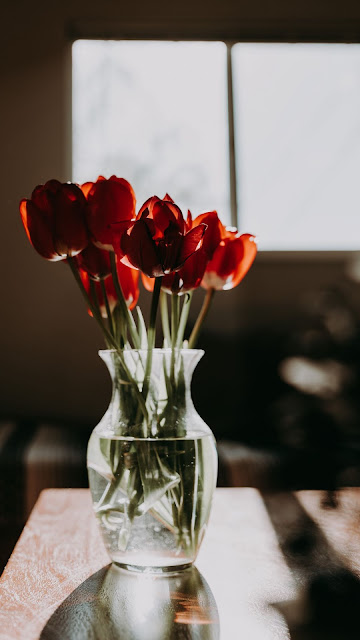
297,110
154,113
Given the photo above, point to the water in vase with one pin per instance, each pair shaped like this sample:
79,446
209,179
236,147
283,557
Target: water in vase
152,497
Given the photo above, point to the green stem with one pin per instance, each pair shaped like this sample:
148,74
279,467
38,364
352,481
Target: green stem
118,326
175,312
183,319
109,338
201,317
107,306
175,309
151,336
89,303
153,313
95,301
126,313
165,318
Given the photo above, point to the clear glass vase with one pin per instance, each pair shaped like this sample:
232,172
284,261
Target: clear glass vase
152,462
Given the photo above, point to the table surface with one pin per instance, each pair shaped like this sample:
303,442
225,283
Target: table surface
271,567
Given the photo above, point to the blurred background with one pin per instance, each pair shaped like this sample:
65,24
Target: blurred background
249,108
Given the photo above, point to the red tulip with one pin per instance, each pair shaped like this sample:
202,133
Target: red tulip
96,262
109,201
190,275
231,261
157,242
54,220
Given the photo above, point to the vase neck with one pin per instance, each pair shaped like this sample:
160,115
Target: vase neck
152,392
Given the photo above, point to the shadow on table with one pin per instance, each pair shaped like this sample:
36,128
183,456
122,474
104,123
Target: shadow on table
328,603
116,604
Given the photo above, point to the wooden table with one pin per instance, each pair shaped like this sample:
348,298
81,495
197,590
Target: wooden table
271,567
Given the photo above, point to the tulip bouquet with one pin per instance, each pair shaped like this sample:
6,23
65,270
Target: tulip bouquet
95,229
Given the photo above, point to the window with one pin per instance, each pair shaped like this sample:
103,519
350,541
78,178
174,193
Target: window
297,123
156,113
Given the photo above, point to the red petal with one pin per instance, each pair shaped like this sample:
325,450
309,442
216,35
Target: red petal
129,280
118,230
144,211
189,221
164,214
96,262
110,201
39,230
248,256
191,242
140,249
231,262
86,188
190,275
213,233
70,231
148,282
55,219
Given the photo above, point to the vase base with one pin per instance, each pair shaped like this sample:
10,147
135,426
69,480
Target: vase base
155,571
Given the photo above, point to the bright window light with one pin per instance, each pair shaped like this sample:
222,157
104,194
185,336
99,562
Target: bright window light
154,113
297,125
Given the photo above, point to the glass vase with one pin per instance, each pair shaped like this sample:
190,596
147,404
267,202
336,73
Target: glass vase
152,462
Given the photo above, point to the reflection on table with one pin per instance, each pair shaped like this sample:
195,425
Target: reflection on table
115,603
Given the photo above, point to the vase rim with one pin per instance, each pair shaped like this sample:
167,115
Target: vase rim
155,350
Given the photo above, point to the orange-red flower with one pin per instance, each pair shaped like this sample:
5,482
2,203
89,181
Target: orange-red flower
54,220
157,242
109,201
231,260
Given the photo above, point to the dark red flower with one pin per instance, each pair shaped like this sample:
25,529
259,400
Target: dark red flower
96,262
231,261
54,220
190,275
109,201
158,241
